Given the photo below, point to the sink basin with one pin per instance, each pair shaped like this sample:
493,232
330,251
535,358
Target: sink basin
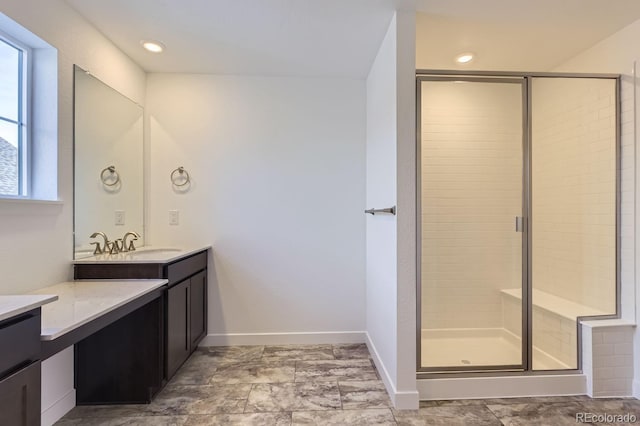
80,254
144,254
152,253
143,250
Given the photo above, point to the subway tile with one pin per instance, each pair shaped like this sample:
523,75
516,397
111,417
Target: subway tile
623,348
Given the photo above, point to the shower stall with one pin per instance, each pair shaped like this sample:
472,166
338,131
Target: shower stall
517,218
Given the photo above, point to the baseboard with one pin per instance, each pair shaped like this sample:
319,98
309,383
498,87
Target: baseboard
502,387
296,338
61,407
400,400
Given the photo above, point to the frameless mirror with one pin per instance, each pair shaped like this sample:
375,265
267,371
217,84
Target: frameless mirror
108,163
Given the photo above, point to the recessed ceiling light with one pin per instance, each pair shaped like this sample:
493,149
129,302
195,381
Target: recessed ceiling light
152,46
464,58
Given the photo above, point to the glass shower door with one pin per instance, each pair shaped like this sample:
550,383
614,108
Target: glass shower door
472,234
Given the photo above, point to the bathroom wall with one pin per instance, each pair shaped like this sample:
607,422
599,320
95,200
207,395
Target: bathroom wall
471,184
390,241
618,54
381,192
278,188
36,247
45,231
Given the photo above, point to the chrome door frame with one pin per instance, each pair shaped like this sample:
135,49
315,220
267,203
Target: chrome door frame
500,76
524,213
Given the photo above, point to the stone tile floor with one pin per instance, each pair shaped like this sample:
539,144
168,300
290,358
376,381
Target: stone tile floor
318,385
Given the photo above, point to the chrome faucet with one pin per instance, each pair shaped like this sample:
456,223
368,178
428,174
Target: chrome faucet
98,249
130,247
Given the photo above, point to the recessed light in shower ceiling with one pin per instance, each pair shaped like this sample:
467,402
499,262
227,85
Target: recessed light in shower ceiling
152,46
465,58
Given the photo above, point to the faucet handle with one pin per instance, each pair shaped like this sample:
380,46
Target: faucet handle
131,246
98,250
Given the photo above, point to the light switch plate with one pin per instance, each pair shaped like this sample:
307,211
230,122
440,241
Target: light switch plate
174,217
119,217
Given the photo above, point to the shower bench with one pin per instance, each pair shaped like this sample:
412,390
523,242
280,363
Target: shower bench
555,324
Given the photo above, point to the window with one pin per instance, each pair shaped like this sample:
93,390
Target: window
13,119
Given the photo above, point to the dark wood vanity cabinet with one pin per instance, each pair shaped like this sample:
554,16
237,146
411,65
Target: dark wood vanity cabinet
20,370
186,320
185,313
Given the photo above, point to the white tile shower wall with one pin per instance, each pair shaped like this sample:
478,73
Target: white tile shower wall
618,54
573,184
471,192
608,360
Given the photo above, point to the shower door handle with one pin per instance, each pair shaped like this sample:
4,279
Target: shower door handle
519,224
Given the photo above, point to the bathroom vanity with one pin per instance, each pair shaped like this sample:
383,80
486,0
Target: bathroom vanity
20,366
185,299
116,329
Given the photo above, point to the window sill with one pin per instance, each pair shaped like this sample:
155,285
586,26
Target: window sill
29,206
28,201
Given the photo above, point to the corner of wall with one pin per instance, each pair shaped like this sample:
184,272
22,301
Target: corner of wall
402,400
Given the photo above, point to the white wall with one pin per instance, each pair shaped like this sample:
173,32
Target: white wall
45,232
36,247
382,298
617,54
277,169
391,291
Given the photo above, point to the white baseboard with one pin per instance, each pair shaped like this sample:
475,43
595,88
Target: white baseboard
502,387
401,400
296,338
61,407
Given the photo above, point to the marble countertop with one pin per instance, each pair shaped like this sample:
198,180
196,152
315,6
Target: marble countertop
82,301
147,254
12,305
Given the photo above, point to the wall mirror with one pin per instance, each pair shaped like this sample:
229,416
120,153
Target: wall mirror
108,163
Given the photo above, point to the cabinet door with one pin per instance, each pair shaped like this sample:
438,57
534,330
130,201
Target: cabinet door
198,308
178,342
20,397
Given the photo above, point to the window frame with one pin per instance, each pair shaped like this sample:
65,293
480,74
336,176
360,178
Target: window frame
25,84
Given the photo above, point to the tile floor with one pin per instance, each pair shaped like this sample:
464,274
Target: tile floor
317,385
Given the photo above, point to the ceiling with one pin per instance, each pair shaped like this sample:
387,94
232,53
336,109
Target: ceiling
334,38
340,38
531,35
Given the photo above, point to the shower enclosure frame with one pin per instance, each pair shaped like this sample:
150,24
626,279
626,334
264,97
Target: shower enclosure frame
526,367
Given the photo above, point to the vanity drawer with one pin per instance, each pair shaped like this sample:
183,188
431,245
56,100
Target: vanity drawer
22,335
184,268
20,397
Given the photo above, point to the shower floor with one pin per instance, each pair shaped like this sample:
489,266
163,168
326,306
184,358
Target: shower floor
478,347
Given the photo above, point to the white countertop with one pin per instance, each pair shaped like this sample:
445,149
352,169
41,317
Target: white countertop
82,301
147,254
11,305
